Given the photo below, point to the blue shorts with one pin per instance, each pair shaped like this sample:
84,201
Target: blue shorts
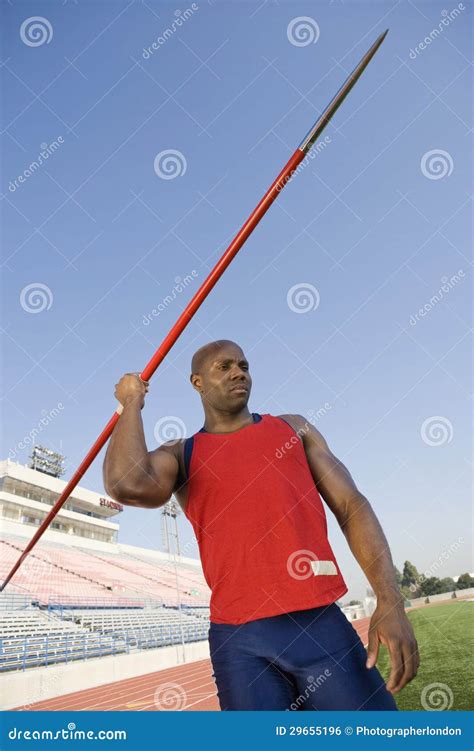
305,660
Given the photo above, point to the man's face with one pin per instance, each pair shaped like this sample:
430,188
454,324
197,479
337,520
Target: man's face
225,380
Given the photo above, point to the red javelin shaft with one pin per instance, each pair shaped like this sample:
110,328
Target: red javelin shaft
203,291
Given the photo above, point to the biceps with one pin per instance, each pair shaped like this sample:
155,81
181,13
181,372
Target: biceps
155,484
164,469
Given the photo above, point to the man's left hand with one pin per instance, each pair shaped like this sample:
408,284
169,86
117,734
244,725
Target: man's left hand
390,626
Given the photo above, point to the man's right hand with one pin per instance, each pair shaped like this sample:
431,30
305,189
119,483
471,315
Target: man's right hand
131,388
133,475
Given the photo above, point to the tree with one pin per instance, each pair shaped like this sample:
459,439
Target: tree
449,585
398,577
410,574
431,586
465,581
410,580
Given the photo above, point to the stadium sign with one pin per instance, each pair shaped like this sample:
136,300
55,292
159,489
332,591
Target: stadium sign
111,504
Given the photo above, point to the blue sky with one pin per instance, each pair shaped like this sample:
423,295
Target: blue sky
372,228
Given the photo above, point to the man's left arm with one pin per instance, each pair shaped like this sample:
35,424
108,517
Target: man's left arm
389,624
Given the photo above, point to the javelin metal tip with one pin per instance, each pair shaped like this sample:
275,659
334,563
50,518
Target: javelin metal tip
336,102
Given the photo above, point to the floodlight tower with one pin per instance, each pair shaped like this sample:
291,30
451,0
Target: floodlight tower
47,461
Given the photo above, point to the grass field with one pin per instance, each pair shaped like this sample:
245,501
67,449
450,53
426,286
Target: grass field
445,639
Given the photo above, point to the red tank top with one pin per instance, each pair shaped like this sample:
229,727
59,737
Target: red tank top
260,523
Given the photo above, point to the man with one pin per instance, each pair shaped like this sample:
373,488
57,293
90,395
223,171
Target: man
250,485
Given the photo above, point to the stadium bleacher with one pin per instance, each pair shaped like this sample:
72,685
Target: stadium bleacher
68,604
29,637
146,628
53,570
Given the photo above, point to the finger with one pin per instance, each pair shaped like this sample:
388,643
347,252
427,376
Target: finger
411,659
410,667
372,648
416,654
396,661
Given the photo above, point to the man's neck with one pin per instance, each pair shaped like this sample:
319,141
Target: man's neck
222,422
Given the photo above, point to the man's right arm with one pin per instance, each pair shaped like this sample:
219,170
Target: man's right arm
133,475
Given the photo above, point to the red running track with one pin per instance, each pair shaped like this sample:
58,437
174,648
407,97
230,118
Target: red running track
188,687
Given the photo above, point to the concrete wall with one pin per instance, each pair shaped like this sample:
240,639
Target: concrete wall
23,688
461,594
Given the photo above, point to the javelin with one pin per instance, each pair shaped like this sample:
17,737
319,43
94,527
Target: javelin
279,183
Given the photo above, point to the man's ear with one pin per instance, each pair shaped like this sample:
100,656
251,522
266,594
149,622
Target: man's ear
195,381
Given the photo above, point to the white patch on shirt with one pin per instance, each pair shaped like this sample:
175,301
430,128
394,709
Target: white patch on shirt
323,568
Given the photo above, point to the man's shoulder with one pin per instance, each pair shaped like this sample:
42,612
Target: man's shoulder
174,446
303,426
176,449
296,421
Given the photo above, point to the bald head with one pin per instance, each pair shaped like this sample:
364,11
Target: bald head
220,373
208,351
